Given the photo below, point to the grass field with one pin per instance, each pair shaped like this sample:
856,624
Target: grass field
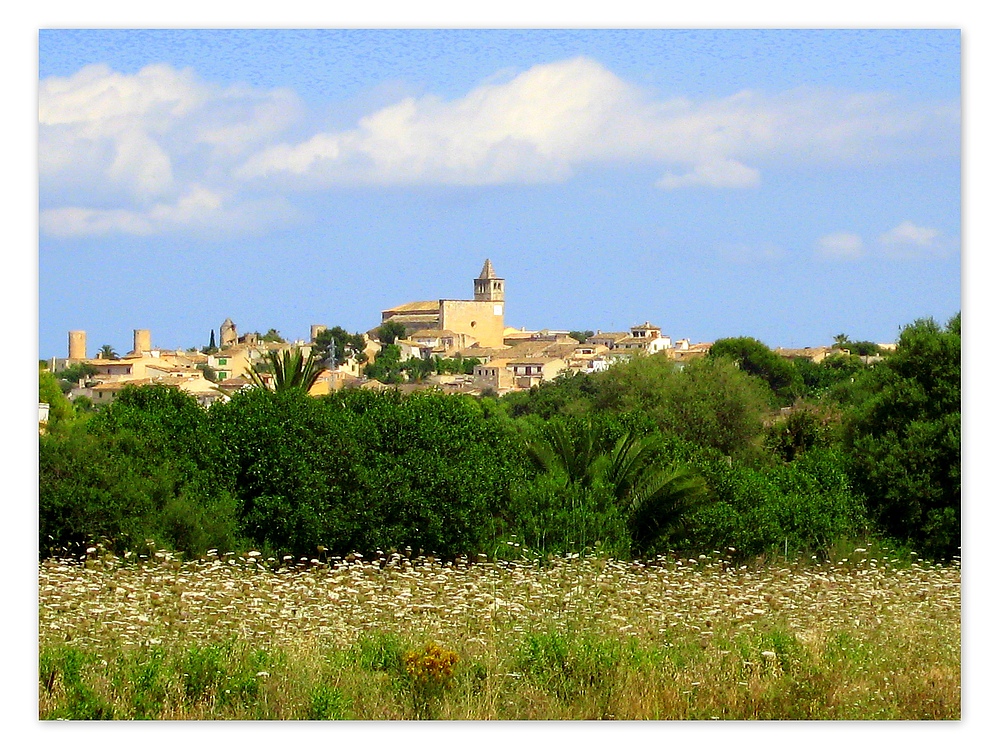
241,637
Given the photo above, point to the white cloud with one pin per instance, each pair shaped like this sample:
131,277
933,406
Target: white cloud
144,153
542,124
909,234
75,221
720,174
200,209
120,152
840,245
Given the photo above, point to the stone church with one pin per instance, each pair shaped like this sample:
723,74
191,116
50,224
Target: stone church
480,318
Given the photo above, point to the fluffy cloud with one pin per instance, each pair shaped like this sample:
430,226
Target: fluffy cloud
549,120
200,209
908,238
127,152
840,245
148,152
904,241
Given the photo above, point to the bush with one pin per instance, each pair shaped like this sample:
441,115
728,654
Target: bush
144,467
362,471
553,517
904,438
803,506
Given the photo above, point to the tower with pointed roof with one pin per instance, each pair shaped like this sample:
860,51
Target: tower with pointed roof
488,287
479,319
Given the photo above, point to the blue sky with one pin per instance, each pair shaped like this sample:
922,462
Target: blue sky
786,184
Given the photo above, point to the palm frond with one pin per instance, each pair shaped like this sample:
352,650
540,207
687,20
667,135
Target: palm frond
661,500
291,371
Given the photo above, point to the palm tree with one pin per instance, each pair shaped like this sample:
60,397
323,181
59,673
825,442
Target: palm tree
654,499
291,371
107,352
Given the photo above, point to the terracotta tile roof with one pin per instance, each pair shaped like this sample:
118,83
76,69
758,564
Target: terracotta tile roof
411,307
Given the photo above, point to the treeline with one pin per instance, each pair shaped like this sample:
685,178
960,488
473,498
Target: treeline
742,449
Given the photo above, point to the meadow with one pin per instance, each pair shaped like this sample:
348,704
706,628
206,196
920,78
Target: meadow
862,635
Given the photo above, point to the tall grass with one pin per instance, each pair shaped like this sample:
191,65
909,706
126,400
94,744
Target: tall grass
241,637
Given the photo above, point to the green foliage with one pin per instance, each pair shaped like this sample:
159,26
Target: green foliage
904,438
327,703
572,667
708,403
208,372
755,358
857,348
417,368
73,374
648,499
365,471
802,428
568,395
436,468
292,371
71,665
107,352
293,466
581,336
387,367
390,331
61,411
455,365
553,517
803,506
340,344
144,467
831,377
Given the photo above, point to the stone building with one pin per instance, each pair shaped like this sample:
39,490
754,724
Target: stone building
480,318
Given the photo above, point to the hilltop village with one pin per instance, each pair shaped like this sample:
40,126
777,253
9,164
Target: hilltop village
497,359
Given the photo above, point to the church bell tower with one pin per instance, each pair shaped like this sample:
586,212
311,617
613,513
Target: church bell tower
488,287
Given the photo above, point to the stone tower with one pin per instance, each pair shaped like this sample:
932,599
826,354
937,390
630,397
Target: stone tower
488,287
77,345
141,340
227,334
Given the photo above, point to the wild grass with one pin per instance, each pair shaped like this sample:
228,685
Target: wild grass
240,637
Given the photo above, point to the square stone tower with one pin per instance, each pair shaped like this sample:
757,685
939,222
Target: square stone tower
488,287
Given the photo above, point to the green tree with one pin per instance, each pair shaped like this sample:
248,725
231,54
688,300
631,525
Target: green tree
653,500
60,409
273,336
581,336
291,371
386,368
417,369
144,467
107,352
72,375
208,372
904,438
755,358
708,402
340,344
389,331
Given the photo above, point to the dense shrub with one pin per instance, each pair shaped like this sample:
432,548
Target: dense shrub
802,506
140,469
904,438
362,471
